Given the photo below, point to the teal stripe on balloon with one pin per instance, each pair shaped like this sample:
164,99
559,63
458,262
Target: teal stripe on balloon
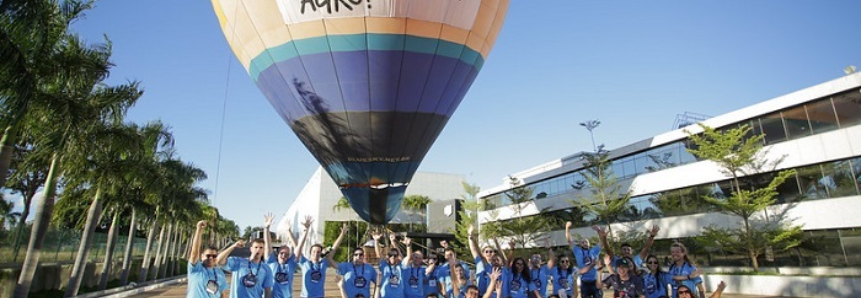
359,42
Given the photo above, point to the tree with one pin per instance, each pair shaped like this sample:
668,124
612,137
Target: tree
79,101
7,214
468,217
740,155
26,183
415,204
341,204
606,199
523,229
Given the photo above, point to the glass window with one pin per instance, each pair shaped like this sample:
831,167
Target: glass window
772,127
848,107
809,179
838,179
856,170
821,115
796,122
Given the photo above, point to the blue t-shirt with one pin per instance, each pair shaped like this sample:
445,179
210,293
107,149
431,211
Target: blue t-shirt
313,277
199,278
538,280
249,279
585,258
432,280
444,273
449,291
563,280
392,283
357,278
415,281
656,284
685,269
517,284
282,287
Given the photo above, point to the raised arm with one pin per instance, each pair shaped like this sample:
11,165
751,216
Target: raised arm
335,246
407,258
473,242
568,235
455,279
551,257
376,235
494,281
222,257
509,255
291,237
649,241
194,254
297,248
719,291
602,234
393,242
267,246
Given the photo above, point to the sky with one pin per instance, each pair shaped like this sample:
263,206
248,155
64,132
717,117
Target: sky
633,65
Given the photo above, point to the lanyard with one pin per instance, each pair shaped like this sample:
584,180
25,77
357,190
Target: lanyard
359,274
258,267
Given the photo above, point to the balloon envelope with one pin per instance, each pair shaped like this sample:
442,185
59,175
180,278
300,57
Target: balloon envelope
366,85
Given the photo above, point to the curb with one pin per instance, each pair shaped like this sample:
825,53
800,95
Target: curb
127,291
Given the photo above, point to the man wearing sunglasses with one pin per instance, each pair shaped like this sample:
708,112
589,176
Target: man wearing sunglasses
205,280
588,262
314,268
391,268
282,264
357,275
539,273
485,266
627,250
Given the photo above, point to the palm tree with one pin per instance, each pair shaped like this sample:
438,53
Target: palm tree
7,214
26,183
415,204
100,169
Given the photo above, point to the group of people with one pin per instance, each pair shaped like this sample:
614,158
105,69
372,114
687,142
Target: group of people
269,273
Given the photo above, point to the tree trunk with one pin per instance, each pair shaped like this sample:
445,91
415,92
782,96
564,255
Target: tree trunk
166,252
7,146
754,262
142,277
127,255
21,222
40,227
158,252
177,253
93,216
109,252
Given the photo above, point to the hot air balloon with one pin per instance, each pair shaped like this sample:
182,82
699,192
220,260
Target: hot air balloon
366,85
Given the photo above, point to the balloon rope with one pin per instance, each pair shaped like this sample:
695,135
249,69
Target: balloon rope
224,109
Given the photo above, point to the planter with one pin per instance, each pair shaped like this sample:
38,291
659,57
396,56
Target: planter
790,286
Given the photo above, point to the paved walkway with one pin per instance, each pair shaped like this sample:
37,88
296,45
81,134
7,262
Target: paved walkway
178,291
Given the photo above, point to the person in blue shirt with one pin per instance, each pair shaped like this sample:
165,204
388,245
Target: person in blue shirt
445,270
251,277
415,273
627,250
282,264
564,277
314,268
588,262
205,279
433,278
391,268
357,275
656,280
458,277
485,266
518,281
539,273
684,272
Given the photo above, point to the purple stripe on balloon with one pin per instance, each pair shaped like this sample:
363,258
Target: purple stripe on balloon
366,81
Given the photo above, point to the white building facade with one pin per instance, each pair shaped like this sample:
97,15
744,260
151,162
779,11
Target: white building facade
816,131
320,195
